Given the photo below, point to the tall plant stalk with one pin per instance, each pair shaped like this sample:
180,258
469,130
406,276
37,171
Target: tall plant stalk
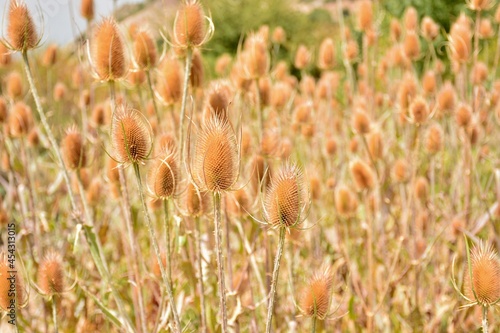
220,262
187,72
199,259
276,272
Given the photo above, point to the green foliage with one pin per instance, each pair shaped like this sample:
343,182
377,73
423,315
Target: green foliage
444,12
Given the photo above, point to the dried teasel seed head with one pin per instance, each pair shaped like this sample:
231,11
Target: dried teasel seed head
419,110
412,45
285,199
316,297
163,177
395,30
279,35
360,122
446,98
239,202
50,56
365,15
197,72
14,83
463,115
479,73
87,9
351,50
460,42
108,56
216,160
131,135
326,59
430,29
421,188
410,19
197,202
20,120
217,101
144,49
484,287
345,201
255,57
363,176
98,115
169,84
189,25
21,30
434,140
7,297
51,274
375,145
73,149
60,91
302,57
400,171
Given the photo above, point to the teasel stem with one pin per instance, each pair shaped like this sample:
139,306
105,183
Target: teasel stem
187,71
153,97
46,126
54,313
166,280
220,262
260,112
167,238
371,266
276,271
313,328
485,319
200,277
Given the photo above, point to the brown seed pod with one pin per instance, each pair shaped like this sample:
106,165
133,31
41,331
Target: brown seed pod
430,29
144,49
375,145
421,188
360,122
419,111
411,19
197,72
20,120
316,297
255,57
7,297
108,56
59,91
216,160
189,25
131,136
463,115
169,84
302,57
365,15
362,174
197,203
434,140
163,176
217,101
326,59
460,42
285,200
400,171
21,30
446,98
50,56
98,115
87,9
483,285
14,85
412,45
73,149
51,274
395,30
94,192
279,35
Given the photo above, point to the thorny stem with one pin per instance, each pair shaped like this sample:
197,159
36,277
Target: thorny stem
187,71
371,267
167,239
485,319
166,281
54,313
220,262
200,275
313,328
276,271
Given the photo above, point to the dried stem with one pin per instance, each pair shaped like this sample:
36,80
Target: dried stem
276,271
187,71
220,262
485,319
153,98
200,275
167,240
54,313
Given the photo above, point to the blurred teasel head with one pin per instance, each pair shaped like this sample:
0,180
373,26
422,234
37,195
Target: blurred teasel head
192,28
21,30
316,296
163,177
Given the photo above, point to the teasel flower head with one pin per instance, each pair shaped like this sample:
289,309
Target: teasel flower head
144,50
169,81
51,274
255,57
73,149
163,177
363,175
317,295
21,30
196,202
326,58
286,201
131,136
480,5
109,60
87,9
481,277
192,28
7,298
216,162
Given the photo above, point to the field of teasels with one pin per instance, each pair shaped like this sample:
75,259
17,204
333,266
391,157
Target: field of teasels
155,191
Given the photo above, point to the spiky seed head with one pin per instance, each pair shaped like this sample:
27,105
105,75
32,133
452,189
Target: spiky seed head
395,30
197,202
265,91
479,73
360,122
144,49
419,111
131,135
302,57
169,84
7,297
14,85
365,15
463,115
189,25
411,19
326,59
20,120
216,160
255,57
446,98
362,174
286,197
108,54
50,56
59,91
98,115
163,176
279,35
217,101
51,274
460,42
485,269
375,145
87,9
400,171
316,297
421,188
412,45
345,201
430,29
73,149
21,30
434,140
